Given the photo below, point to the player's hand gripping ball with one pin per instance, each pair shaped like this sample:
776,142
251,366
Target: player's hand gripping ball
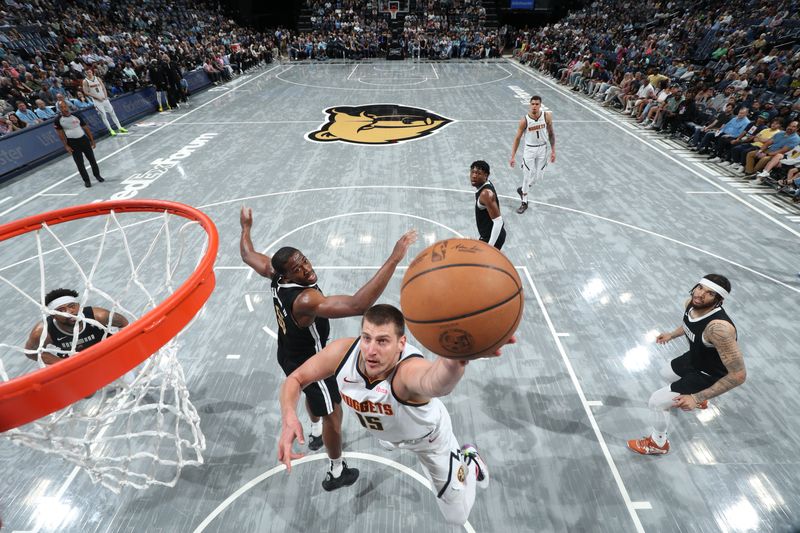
462,298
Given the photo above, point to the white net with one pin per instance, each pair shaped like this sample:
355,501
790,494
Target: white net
142,429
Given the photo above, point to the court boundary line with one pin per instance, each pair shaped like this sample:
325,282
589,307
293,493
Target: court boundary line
587,409
654,147
325,87
134,141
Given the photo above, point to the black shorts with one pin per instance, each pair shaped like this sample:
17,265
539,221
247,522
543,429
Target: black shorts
322,396
692,380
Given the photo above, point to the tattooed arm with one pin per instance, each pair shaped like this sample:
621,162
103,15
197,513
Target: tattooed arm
551,135
723,336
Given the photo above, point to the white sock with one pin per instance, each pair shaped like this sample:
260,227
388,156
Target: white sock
316,428
659,438
337,467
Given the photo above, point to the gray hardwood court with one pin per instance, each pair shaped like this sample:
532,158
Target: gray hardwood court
622,227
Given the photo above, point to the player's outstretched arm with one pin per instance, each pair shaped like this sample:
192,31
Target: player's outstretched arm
314,303
419,380
320,366
259,262
551,135
664,338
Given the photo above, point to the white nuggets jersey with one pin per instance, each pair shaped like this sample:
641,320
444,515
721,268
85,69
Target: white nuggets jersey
376,406
536,131
95,89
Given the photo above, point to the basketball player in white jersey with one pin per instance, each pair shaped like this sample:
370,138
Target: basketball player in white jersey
394,392
94,88
540,147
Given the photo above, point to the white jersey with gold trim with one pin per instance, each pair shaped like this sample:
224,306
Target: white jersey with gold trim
377,407
536,131
94,88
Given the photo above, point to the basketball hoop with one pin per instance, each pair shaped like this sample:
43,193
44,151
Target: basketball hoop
47,405
394,7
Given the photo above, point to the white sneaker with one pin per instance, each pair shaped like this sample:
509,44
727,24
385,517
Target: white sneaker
758,181
762,174
715,160
471,455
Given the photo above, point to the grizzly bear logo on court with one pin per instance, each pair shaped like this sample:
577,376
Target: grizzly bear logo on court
377,124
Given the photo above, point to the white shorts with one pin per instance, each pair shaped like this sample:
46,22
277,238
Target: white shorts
534,161
103,106
453,480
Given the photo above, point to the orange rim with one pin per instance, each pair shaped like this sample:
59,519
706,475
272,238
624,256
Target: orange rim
46,390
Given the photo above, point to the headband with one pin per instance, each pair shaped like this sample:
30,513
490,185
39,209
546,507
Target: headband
63,300
714,287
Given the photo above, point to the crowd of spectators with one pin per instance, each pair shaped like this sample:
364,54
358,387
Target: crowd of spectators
46,48
356,29
723,76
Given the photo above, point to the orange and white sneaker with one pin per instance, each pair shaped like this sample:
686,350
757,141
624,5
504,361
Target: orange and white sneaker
647,446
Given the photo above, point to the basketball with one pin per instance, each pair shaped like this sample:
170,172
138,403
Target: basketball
461,298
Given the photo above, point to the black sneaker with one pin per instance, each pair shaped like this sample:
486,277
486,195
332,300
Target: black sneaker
314,443
519,191
100,179
347,478
522,208
87,183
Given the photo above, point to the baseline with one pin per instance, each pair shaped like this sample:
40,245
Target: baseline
508,75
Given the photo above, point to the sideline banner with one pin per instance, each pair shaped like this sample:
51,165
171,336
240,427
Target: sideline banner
37,144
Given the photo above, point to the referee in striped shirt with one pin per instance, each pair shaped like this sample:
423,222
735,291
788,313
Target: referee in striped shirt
78,140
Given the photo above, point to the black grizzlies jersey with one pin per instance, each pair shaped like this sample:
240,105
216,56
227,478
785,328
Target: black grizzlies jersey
89,336
703,356
482,217
295,342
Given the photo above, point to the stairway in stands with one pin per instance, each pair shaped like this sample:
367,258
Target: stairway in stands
492,20
304,22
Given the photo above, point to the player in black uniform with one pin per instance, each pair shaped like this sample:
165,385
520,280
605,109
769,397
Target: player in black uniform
487,208
713,365
302,312
58,341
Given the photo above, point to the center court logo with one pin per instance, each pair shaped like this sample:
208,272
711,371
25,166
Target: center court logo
377,124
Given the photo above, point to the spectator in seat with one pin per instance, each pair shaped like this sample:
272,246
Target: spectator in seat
42,111
789,159
16,122
703,135
755,142
26,115
684,114
733,129
779,144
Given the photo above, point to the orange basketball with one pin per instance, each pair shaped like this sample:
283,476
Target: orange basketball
461,297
